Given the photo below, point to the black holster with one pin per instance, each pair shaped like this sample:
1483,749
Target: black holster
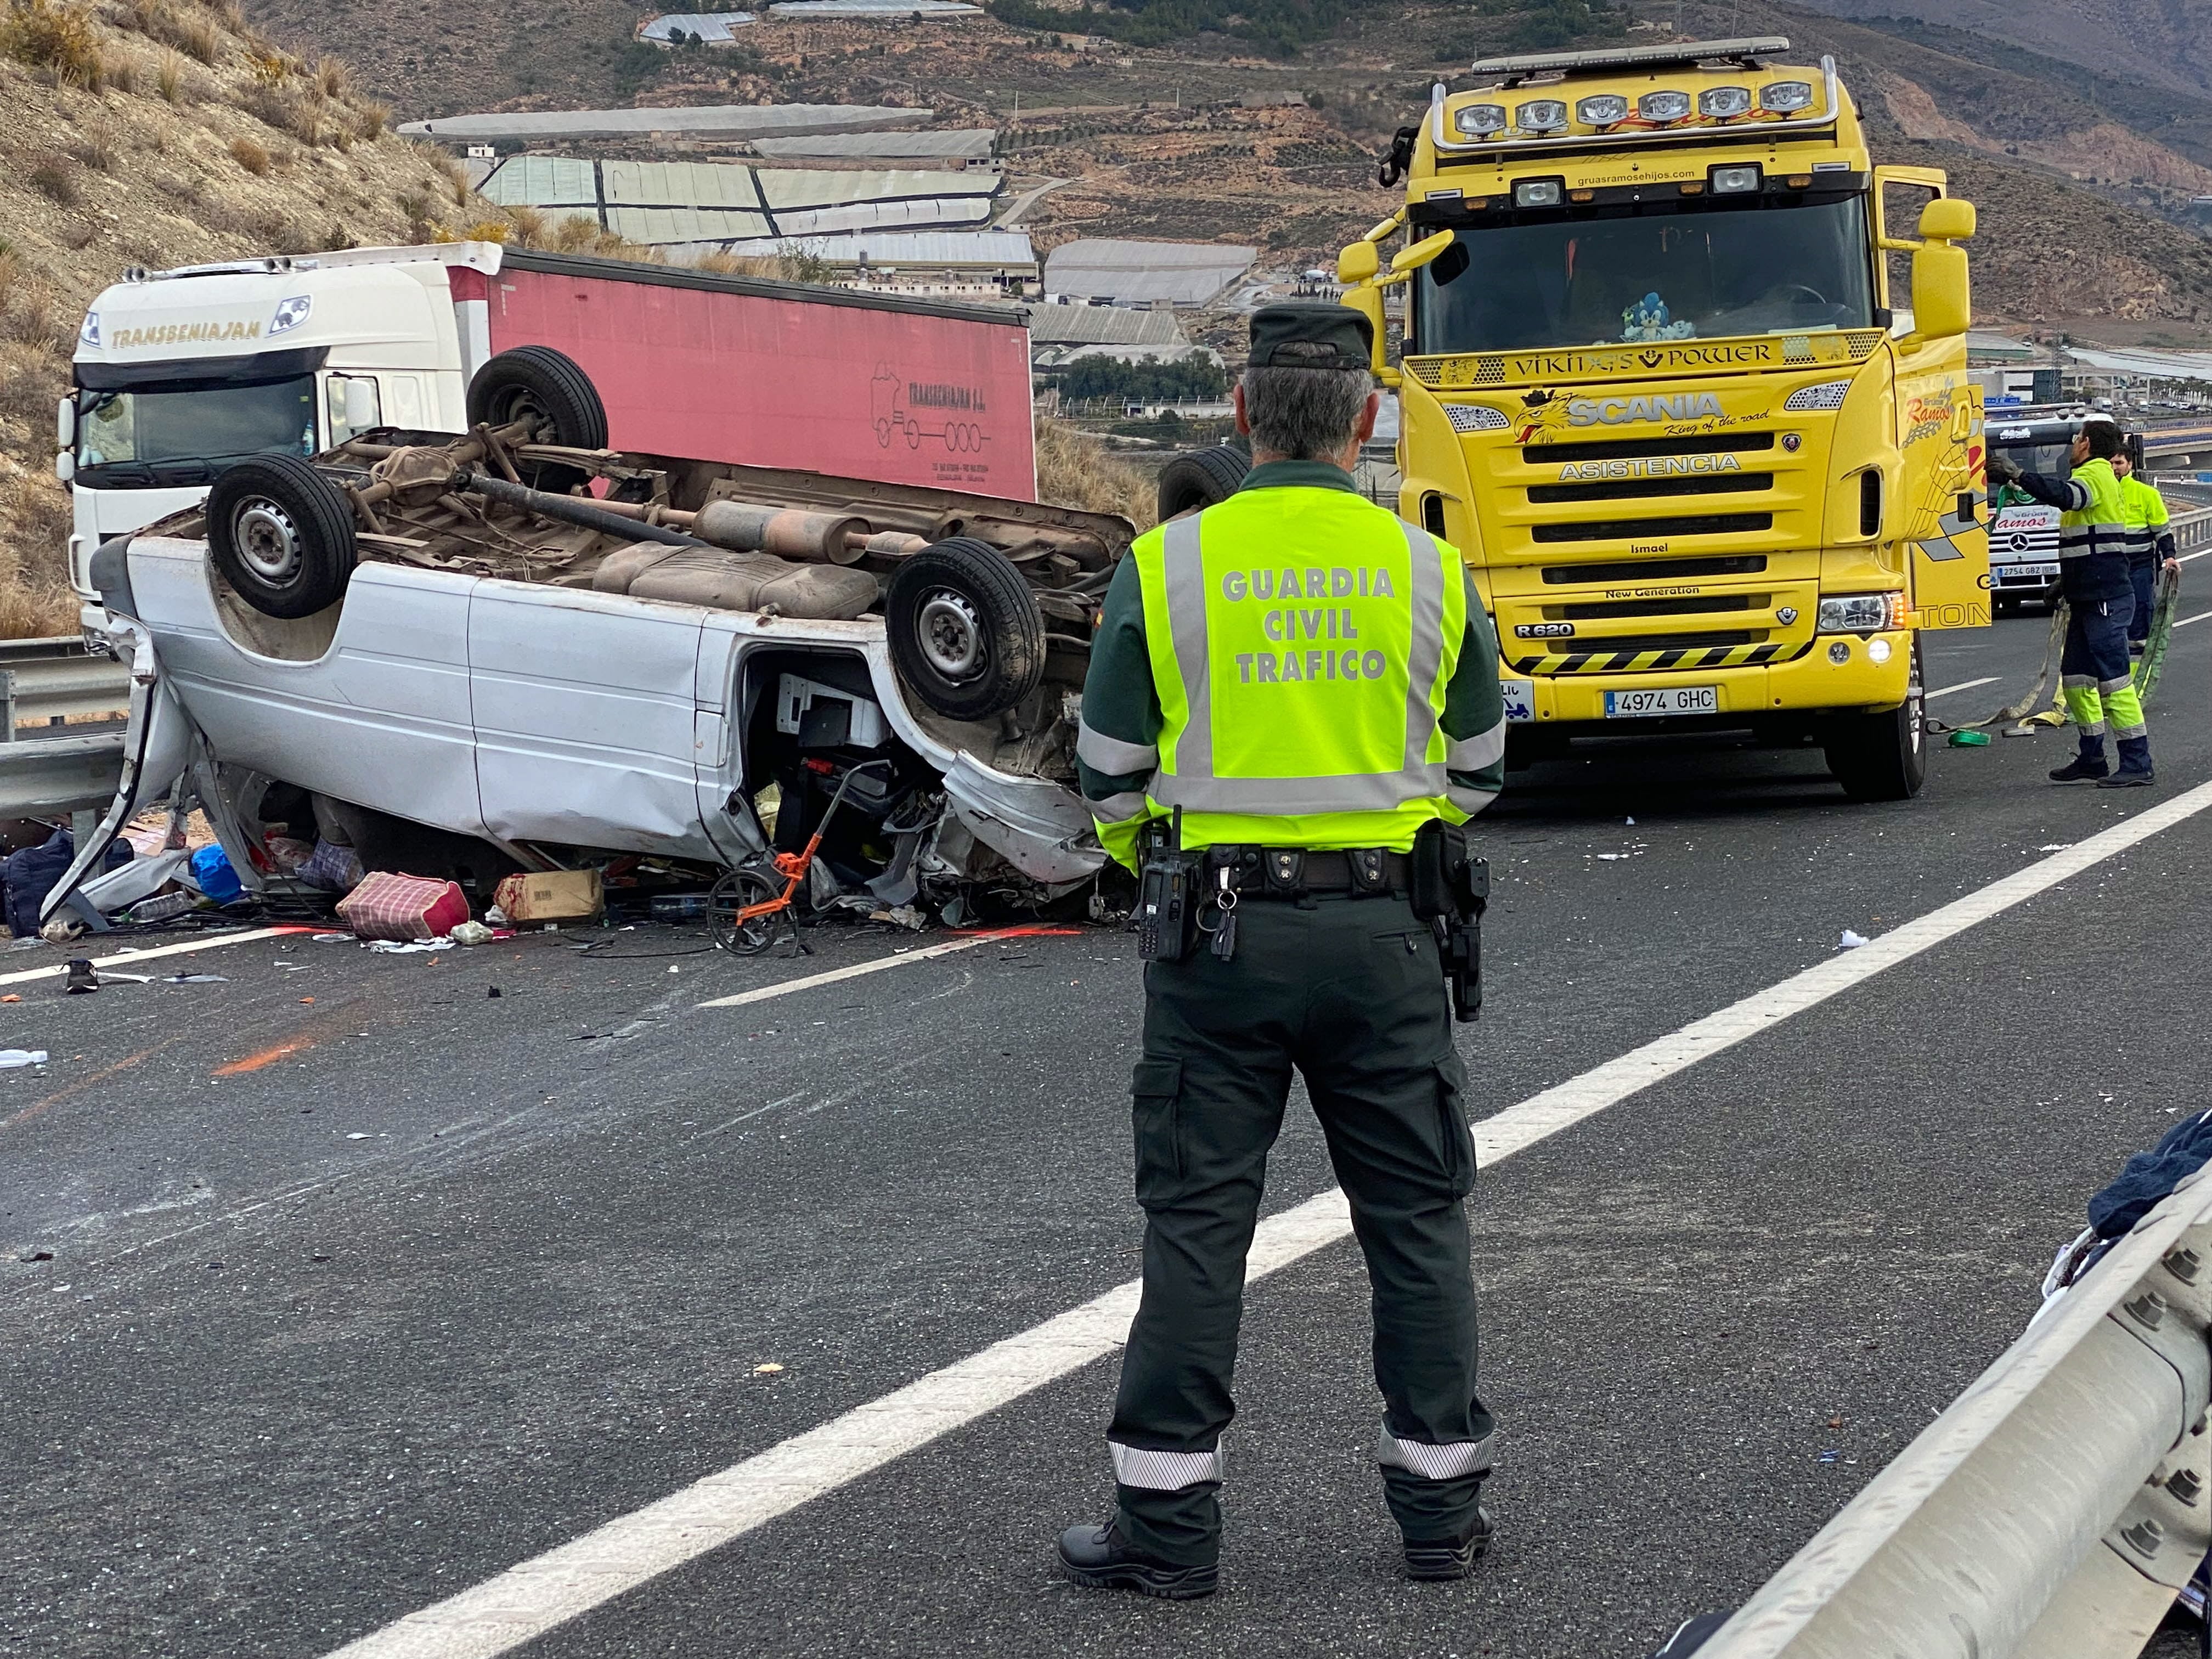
1450,888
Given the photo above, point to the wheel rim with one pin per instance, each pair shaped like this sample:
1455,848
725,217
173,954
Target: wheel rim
267,540
951,635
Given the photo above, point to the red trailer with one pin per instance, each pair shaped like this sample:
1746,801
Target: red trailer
769,373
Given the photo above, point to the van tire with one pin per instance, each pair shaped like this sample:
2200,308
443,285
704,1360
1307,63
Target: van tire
535,378
1202,478
281,534
965,630
1882,757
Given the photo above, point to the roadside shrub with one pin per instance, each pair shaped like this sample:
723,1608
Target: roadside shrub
573,233
332,77
251,157
489,230
56,180
169,78
267,68
370,120
528,225
57,38
123,73
95,153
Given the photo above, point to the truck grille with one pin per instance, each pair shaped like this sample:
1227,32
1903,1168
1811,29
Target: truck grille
1678,607
1617,571
1621,530
1629,449
1625,490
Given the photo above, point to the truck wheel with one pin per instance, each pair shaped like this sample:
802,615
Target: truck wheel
535,379
1202,478
965,630
1882,757
281,534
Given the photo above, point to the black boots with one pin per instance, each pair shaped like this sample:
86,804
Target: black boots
1102,1559
2135,771
1449,1558
2082,768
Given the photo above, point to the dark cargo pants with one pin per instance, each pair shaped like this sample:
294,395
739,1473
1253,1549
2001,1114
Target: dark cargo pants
1351,994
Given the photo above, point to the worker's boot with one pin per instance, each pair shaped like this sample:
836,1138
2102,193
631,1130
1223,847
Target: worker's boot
1450,1557
82,977
2089,763
2135,771
1102,1559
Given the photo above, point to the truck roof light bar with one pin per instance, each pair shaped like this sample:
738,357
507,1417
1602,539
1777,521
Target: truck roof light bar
1827,116
477,256
1687,55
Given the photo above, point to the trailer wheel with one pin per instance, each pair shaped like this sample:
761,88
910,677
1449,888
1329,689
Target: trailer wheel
535,379
1202,478
1882,757
965,630
281,534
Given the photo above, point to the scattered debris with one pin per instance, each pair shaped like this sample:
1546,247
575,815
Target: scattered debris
1850,941
194,979
36,1255
13,1057
548,896
768,1369
403,908
901,915
1970,739
82,977
393,947
471,932
2055,847
10,997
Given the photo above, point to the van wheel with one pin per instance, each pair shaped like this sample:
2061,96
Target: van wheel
535,379
1203,478
965,630
1882,757
281,534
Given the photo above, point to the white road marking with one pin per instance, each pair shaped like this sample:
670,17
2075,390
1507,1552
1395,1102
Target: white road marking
764,992
527,1600
1964,685
209,944
2199,617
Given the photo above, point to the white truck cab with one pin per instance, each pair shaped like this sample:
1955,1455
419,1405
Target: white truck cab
180,371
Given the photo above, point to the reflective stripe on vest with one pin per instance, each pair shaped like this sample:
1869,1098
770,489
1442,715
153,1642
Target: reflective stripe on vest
1330,640
2099,527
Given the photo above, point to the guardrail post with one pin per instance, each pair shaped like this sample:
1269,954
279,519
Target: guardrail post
7,705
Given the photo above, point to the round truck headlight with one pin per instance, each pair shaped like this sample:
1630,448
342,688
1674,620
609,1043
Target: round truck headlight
1481,120
1544,115
1603,111
1724,101
1781,96
1663,107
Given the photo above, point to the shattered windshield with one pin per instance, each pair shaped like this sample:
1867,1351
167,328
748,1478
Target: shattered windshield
1641,272
178,423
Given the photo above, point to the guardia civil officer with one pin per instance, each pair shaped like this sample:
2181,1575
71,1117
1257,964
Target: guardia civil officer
1293,705
2151,543
2096,678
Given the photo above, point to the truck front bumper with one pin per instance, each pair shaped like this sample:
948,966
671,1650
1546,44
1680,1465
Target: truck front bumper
1814,683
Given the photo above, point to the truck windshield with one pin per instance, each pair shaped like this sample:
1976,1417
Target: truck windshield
156,434
1685,270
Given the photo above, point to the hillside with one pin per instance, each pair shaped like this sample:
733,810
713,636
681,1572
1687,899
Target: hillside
2150,43
162,133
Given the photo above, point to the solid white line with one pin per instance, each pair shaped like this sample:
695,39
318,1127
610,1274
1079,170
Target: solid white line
2199,617
121,958
834,974
519,1605
1965,685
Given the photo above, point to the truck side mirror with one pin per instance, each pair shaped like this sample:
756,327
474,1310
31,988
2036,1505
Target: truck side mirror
1357,264
1421,252
1946,219
1942,304
1368,302
65,465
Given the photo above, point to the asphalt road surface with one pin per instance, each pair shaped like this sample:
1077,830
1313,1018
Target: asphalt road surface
336,1288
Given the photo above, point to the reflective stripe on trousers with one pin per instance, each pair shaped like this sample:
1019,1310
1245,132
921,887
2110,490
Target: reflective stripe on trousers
1194,785
1449,1462
1163,1471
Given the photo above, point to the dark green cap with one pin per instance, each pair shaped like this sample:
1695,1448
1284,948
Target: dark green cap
1320,336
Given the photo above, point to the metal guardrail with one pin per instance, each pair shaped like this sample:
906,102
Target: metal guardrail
2192,529
43,777
58,679
2055,1509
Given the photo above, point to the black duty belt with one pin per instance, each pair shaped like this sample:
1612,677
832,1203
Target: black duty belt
1292,874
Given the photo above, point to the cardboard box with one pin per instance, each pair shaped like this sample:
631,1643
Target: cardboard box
550,896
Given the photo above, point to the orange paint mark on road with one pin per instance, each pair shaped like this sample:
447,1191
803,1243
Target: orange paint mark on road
37,1107
254,1062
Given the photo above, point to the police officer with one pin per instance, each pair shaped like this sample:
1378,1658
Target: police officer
2095,679
1293,704
2151,543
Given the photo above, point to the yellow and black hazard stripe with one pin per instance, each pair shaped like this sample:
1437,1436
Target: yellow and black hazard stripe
1622,662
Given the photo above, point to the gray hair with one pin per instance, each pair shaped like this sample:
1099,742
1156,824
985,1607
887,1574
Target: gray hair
1304,413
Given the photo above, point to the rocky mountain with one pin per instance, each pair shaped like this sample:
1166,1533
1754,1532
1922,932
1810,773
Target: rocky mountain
2164,44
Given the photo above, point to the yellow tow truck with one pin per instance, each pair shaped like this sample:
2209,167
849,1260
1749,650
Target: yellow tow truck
1683,378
